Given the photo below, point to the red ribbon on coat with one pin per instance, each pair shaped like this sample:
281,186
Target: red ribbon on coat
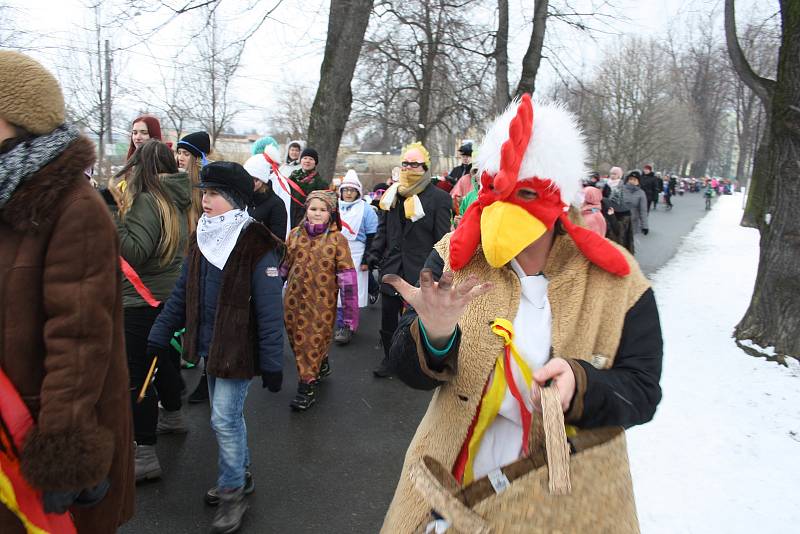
16,493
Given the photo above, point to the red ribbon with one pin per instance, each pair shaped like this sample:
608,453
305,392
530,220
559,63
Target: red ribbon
138,285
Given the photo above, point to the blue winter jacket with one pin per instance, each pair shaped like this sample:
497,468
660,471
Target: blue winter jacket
267,302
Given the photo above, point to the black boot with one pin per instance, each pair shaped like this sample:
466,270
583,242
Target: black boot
324,369
305,398
200,393
384,370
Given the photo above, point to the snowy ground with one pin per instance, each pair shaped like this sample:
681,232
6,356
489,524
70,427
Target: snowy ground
723,451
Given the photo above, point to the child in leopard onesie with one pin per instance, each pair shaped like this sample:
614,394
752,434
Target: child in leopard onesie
317,267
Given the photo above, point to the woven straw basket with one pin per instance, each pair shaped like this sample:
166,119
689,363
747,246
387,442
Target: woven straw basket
589,491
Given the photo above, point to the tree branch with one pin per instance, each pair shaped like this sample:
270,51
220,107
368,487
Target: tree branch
763,87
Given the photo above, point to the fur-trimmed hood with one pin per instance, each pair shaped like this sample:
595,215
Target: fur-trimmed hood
33,203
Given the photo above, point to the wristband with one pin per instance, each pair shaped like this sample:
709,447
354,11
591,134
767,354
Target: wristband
439,353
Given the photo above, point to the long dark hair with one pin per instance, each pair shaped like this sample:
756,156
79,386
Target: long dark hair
150,160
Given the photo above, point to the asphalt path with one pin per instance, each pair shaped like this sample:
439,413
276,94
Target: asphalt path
334,468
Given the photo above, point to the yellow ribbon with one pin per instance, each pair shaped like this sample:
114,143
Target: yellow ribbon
493,398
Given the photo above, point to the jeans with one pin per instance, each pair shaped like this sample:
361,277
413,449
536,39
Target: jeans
227,419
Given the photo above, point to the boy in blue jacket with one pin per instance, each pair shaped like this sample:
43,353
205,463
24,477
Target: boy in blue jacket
229,298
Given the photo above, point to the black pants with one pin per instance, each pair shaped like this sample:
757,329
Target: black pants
391,309
168,382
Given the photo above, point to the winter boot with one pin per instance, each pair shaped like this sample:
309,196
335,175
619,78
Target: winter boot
324,369
305,398
343,335
146,464
212,495
384,370
171,422
200,393
232,507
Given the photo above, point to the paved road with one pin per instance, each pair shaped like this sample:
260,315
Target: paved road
334,468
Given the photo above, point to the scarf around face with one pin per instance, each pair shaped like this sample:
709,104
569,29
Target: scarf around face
411,184
217,236
25,159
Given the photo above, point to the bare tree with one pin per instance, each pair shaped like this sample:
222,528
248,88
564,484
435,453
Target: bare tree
218,60
629,111
533,56
292,112
423,71
501,88
347,24
773,317
88,83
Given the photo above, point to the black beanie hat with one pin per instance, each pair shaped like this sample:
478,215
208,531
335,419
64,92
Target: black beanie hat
197,143
228,176
312,153
466,149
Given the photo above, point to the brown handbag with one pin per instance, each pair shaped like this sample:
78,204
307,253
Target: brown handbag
551,491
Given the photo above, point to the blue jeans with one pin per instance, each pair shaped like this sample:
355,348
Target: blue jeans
227,419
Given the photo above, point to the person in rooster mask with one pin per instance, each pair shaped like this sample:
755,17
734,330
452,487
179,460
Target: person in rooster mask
520,308
415,216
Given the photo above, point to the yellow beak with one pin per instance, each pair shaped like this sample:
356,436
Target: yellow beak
506,230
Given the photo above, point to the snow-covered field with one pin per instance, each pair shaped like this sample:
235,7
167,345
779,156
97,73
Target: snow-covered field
723,451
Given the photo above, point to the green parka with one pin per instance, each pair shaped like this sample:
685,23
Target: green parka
139,237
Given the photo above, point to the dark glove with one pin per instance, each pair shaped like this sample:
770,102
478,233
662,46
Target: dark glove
645,231
156,350
58,502
272,380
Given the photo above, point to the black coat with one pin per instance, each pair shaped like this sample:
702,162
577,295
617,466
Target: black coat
402,246
650,185
460,171
268,209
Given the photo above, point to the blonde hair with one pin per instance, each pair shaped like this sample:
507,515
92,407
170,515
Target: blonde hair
196,207
150,161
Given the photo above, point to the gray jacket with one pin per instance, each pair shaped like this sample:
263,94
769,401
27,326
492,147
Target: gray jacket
635,200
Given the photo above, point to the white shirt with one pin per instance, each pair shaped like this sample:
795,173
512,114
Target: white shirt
502,442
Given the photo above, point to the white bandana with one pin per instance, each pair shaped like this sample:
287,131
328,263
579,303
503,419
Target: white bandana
217,236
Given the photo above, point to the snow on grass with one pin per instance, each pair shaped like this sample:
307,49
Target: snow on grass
723,451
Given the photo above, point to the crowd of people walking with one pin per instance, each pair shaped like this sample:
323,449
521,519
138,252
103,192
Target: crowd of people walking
186,260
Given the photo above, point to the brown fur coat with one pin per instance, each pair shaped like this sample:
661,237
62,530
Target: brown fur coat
62,342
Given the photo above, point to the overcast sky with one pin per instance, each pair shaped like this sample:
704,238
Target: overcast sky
287,50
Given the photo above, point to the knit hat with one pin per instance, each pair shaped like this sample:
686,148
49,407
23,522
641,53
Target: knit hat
259,146
230,179
198,144
153,130
328,197
311,153
351,180
30,96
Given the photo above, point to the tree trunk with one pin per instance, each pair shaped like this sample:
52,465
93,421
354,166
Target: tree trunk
347,24
773,318
761,182
533,57
501,88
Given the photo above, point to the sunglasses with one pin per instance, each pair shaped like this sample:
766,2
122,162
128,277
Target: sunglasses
412,164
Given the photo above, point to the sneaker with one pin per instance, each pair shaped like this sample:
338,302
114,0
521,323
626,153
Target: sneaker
343,335
171,422
232,507
146,465
373,298
324,369
200,393
212,495
340,336
383,370
305,398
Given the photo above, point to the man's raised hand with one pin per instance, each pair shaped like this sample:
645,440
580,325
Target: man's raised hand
439,305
